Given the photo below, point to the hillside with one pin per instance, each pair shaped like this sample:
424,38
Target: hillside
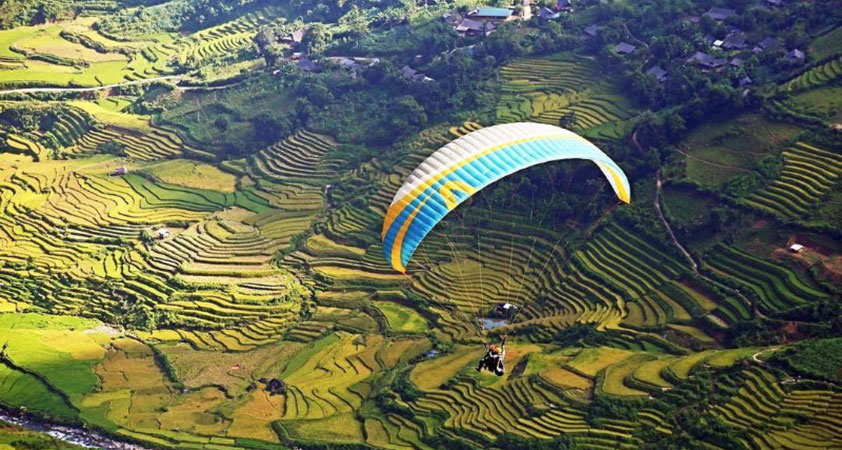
192,194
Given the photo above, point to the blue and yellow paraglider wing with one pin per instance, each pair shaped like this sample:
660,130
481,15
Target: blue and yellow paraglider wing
463,167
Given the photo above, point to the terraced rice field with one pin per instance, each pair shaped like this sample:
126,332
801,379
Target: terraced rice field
808,174
817,76
547,89
775,287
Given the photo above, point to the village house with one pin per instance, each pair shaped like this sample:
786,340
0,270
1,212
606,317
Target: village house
591,30
306,64
705,60
470,27
120,171
162,233
717,13
564,5
657,72
734,41
548,14
492,14
415,76
768,43
295,38
795,55
624,48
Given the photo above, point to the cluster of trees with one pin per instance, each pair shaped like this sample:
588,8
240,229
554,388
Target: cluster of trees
174,15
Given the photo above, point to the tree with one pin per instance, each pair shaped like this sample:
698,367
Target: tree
221,123
317,39
112,147
568,120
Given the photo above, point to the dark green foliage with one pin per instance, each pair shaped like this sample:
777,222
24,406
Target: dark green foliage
607,407
821,358
112,148
508,441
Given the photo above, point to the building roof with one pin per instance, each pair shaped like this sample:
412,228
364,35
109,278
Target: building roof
703,59
767,43
470,25
795,54
343,61
657,72
592,30
548,14
414,75
734,42
306,64
796,248
736,61
717,13
493,12
775,2
745,81
296,36
624,47
563,4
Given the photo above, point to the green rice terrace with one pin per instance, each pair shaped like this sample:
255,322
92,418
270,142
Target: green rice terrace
193,196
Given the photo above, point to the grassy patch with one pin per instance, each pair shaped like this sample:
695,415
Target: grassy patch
193,174
402,318
718,150
826,45
825,102
589,361
431,374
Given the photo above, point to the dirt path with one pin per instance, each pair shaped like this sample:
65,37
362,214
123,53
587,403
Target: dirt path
37,90
657,204
726,166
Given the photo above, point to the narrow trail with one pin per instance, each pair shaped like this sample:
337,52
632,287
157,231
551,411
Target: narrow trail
663,218
687,255
37,90
726,166
63,90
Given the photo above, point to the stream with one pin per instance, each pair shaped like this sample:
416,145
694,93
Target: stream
67,433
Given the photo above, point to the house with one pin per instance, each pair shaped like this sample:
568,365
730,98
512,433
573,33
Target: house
306,64
796,248
745,81
734,41
768,43
492,14
776,3
470,27
563,5
717,13
705,60
120,171
162,233
718,43
295,38
548,14
624,48
413,75
795,55
467,50
657,72
736,61
344,62
591,30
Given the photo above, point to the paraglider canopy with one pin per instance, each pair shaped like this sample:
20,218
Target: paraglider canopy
463,167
